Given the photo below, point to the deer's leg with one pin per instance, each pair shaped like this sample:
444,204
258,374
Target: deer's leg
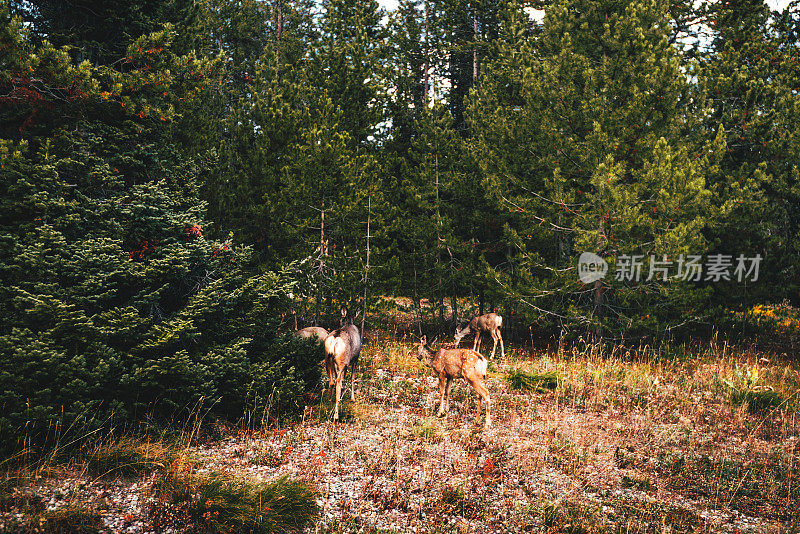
480,402
502,348
339,378
353,381
477,344
483,395
494,348
442,387
330,369
447,394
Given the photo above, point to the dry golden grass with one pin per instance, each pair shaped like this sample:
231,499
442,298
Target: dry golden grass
584,439
642,437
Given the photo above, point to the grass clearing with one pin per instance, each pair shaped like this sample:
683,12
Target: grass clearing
756,486
587,439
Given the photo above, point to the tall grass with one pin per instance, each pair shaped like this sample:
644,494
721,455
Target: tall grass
183,500
662,378
214,503
126,456
519,379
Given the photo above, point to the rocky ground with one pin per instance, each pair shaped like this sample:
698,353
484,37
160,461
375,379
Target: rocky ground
549,462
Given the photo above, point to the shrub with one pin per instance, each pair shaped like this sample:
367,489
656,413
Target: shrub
218,355
747,387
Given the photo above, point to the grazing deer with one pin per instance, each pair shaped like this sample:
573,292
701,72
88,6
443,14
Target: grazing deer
342,348
454,363
311,331
308,331
490,322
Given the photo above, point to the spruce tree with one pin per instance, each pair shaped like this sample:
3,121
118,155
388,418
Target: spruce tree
118,305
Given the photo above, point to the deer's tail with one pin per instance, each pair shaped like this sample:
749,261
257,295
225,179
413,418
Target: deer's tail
480,366
499,321
330,345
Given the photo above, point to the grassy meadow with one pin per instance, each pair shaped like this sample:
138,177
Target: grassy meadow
585,439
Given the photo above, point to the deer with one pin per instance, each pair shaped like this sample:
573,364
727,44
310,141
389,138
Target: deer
342,348
490,322
449,364
308,331
311,331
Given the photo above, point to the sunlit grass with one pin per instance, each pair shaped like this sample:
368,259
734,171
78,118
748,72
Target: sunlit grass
215,503
126,456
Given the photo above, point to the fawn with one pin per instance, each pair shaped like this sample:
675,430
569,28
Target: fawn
454,363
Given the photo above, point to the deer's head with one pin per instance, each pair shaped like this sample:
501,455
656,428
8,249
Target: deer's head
422,350
460,334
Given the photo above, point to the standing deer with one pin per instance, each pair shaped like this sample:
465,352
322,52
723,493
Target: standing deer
342,348
454,363
490,322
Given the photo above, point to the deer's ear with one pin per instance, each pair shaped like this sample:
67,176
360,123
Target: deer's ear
344,311
424,340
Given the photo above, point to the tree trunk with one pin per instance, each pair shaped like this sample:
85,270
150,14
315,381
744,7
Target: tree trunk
280,19
320,267
426,66
598,296
366,269
598,307
416,302
475,49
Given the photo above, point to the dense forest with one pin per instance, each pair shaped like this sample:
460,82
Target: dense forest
177,176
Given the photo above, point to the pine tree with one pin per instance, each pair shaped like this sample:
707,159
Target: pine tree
408,55
433,179
747,75
261,120
347,63
584,151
